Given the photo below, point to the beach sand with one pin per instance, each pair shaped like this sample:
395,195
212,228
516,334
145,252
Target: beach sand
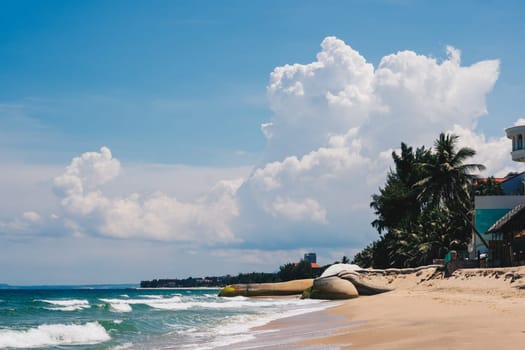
473,309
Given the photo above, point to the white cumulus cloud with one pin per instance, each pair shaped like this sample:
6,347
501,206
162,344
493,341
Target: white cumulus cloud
334,124
151,216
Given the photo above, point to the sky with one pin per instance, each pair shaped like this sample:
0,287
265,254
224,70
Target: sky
143,140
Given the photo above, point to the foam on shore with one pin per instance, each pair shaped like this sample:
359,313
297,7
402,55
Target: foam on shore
290,329
242,330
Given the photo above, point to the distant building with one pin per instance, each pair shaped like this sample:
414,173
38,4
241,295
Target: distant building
310,257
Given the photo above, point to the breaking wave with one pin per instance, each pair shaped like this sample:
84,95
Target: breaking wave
120,307
54,335
123,305
67,305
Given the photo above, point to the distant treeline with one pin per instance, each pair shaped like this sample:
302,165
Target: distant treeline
286,272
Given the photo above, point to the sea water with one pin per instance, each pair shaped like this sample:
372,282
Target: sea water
135,318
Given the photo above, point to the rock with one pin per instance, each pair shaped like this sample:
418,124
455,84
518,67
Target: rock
336,269
362,284
295,287
332,288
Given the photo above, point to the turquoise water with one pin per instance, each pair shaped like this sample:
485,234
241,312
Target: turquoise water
135,318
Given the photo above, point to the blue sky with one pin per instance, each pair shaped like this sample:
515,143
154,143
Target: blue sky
178,90
184,81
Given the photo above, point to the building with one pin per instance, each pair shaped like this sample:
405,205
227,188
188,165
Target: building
508,242
310,257
501,219
488,210
517,134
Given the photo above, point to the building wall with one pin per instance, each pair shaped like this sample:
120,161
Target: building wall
488,210
515,185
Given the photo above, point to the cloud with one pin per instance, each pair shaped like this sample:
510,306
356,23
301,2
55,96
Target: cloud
334,124
315,100
22,224
519,122
154,216
494,153
418,97
87,172
304,210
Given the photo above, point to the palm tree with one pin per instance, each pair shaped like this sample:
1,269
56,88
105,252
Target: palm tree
397,203
448,179
424,207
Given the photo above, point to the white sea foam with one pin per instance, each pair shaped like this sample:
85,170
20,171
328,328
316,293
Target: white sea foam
242,302
123,346
177,303
65,308
120,307
151,296
54,335
172,303
67,304
229,303
238,328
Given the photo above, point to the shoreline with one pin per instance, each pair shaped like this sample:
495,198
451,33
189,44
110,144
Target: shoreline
474,308
179,288
287,331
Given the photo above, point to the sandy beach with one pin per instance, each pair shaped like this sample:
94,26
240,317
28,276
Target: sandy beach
472,309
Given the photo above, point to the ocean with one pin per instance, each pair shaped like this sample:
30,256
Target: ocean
136,318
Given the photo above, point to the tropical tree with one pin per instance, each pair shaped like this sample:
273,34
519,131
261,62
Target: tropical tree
397,203
486,187
376,254
425,206
293,271
448,181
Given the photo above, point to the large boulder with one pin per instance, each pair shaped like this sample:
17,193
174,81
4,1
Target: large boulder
336,269
362,283
331,288
295,287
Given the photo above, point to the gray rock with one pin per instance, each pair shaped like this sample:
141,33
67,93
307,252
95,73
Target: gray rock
363,285
333,288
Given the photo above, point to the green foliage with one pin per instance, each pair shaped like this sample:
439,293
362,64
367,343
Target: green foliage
374,255
425,206
301,270
253,277
488,187
397,204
